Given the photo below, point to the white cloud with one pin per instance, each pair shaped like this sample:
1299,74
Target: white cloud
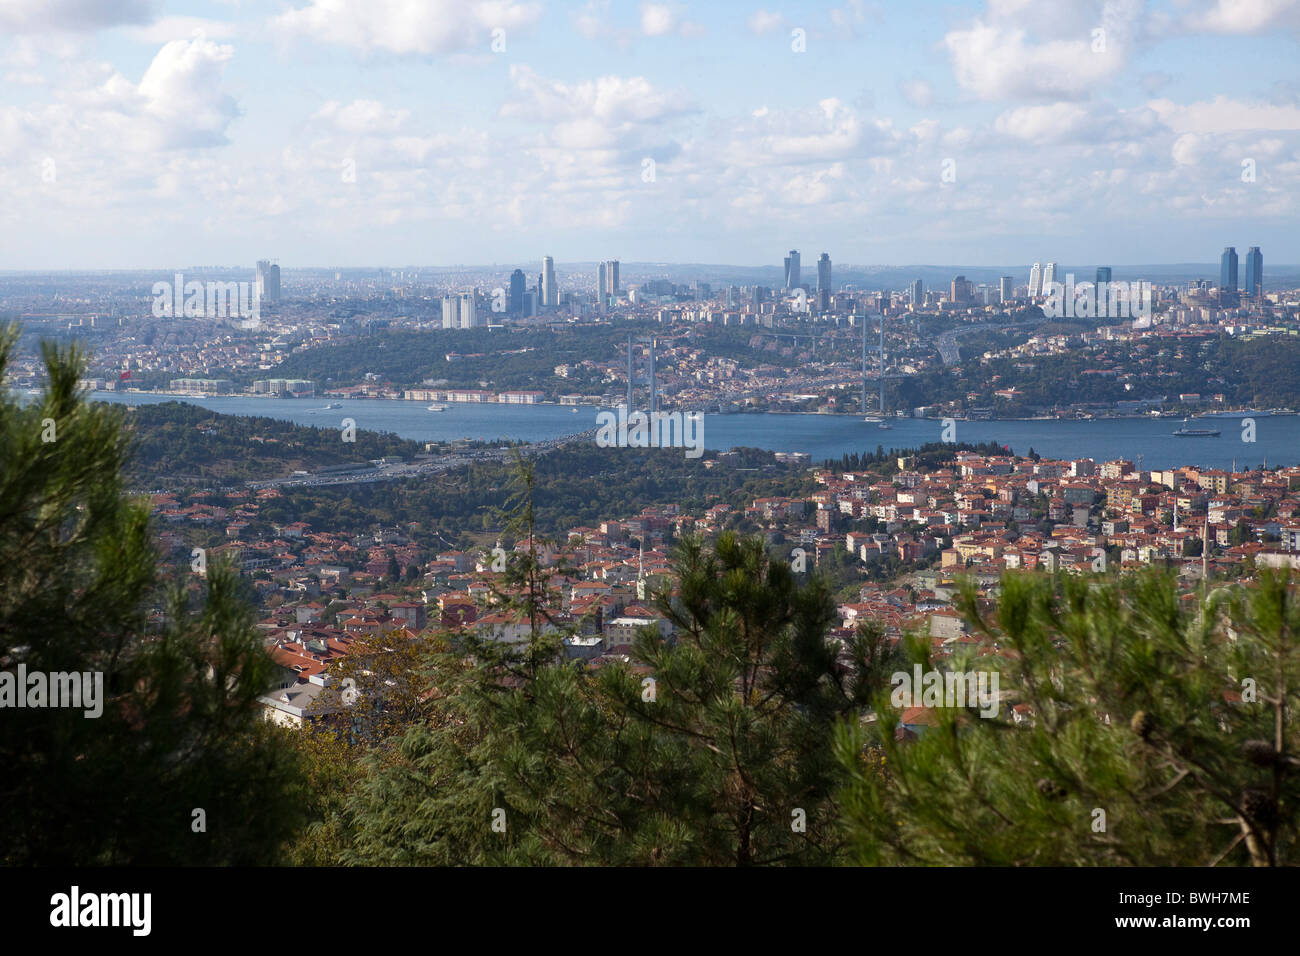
763,21
853,15
916,91
362,117
665,19
1244,16
20,78
424,28
592,20
1071,122
657,19
182,94
1222,114
609,99
40,16
832,132
998,57
167,29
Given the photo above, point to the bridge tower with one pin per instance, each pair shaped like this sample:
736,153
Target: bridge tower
641,371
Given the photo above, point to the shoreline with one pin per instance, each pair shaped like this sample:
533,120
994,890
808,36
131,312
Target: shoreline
1224,415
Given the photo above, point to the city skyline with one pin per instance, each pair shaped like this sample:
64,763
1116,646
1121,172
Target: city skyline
143,127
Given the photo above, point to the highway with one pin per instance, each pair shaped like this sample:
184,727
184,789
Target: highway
424,468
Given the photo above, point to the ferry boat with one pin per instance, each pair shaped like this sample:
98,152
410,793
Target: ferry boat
436,408
872,420
334,405
1186,432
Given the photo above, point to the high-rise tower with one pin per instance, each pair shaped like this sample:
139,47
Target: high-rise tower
268,282
550,294
824,273
1228,270
517,289
1254,286
792,271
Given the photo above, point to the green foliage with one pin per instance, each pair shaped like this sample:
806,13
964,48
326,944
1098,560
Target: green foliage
179,443
1256,372
579,484
1172,721
515,358
714,748
180,728
930,456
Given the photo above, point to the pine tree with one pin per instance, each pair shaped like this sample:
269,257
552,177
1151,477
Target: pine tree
711,748
1155,732
182,667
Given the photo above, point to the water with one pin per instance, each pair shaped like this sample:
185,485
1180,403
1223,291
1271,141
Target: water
1277,438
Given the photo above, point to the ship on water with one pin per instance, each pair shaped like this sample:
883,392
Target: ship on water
1186,432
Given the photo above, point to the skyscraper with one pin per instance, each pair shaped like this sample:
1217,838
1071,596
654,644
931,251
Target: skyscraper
1254,272
1049,276
917,294
602,286
450,312
268,282
1228,270
792,271
1103,274
824,273
960,291
1036,280
550,294
517,289
1005,290
468,310
611,277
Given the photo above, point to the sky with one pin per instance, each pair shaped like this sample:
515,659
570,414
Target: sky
151,134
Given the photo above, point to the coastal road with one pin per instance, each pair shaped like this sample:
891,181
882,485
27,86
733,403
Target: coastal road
424,468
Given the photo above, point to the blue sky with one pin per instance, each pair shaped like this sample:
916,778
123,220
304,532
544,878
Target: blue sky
138,134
